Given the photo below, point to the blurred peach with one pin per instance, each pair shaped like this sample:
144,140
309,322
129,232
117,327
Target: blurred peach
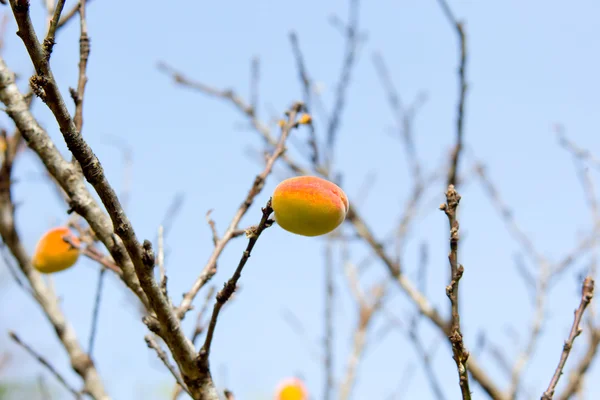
53,254
309,205
291,389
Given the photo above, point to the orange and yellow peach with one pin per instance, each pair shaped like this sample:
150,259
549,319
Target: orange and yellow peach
291,389
53,254
309,205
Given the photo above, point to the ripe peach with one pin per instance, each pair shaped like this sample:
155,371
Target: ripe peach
309,205
291,389
52,253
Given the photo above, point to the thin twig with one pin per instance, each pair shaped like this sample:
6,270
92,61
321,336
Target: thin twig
225,293
579,152
66,17
84,53
404,117
254,80
49,40
94,254
165,359
96,312
351,33
161,261
12,270
367,308
579,371
43,386
306,95
210,268
198,329
213,227
460,353
587,292
45,363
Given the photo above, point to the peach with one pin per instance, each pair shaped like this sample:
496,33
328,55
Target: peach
53,254
309,205
291,389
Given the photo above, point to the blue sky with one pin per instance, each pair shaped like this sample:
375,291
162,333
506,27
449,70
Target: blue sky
531,65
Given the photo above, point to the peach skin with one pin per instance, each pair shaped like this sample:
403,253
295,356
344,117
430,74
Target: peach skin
291,389
53,254
309,205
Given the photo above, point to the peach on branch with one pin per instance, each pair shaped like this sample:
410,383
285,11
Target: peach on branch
309,205
53,253
291,389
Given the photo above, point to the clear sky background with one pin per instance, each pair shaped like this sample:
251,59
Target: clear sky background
531,64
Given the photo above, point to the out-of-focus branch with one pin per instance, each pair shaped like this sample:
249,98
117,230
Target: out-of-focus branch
67,16
367,308
307,95
462,87
352,40
425,355
540,294
461,355
547,272
576,150
226,94
96,310
328,378
508,217
94,254
404,117
587,292
46,364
